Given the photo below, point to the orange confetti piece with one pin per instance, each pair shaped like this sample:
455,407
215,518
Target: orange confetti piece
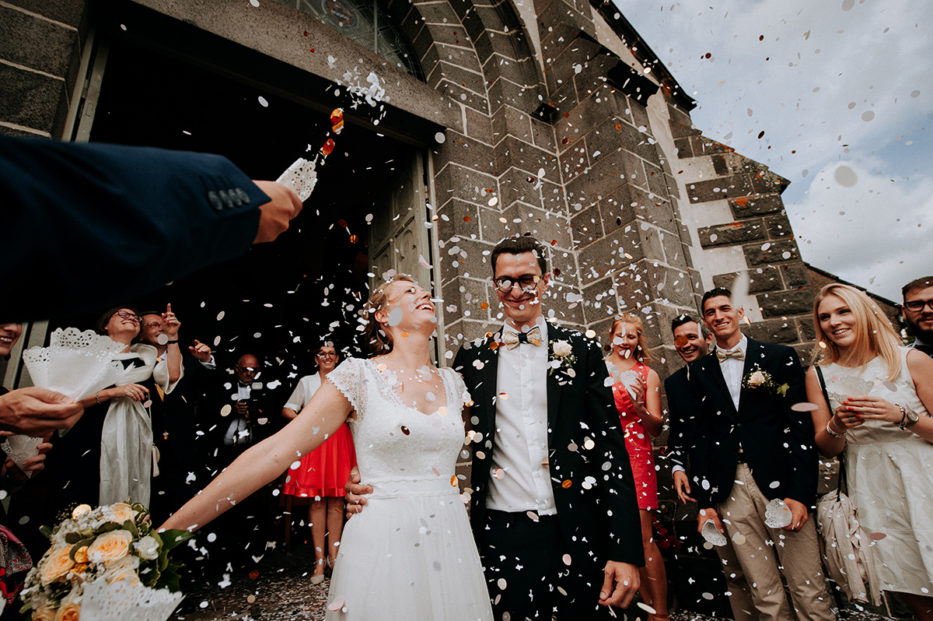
494,346
336,120
484,305
328,147
742,202
453,480
467,218
253,574
566,483
618,126
354,238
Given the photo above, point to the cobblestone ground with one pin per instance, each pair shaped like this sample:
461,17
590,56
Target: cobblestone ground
281,590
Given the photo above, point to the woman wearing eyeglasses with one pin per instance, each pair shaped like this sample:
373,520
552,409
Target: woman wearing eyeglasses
107,455
880,399
322,473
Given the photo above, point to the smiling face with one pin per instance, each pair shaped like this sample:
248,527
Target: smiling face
246,368
689,341
152,328
625,339
9,334
837,321
521,302
921,319
722,319
407,308
326,358
123,325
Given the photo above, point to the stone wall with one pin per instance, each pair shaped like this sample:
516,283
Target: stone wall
40,54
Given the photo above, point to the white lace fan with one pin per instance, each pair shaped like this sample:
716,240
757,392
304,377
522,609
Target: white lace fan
122,600
75,363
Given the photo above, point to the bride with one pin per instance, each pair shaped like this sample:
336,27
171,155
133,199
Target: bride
411,554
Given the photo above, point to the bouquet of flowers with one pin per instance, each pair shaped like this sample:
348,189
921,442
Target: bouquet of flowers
107,563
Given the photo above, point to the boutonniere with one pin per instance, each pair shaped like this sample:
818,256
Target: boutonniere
561,358
758,379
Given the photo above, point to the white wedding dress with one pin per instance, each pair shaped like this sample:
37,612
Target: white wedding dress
410,554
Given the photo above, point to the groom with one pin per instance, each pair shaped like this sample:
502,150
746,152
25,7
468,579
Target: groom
553,505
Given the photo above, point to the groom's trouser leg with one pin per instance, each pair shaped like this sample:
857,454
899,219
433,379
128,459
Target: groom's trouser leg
740,595
520,559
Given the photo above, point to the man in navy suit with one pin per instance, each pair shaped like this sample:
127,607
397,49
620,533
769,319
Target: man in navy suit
753,449
87,226
692,342
553,499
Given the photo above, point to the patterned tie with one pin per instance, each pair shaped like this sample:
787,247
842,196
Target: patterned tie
723,354
513,339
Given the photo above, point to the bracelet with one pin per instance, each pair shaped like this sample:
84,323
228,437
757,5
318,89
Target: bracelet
902,424
830,431
170,342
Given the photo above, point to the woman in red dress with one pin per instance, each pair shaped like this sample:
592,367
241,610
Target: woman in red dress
636,388
322,473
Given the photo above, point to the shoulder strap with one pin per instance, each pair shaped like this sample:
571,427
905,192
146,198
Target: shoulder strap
842,456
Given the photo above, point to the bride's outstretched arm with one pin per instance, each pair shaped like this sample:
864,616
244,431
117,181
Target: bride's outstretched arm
262,463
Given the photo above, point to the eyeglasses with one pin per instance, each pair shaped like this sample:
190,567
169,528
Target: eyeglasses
152,324
916,306
327,354
247,369
527,282
130,316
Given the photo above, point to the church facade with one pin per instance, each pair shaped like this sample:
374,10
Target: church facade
549,117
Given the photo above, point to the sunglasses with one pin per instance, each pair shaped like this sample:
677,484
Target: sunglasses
130,316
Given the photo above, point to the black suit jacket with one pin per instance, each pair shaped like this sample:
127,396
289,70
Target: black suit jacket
114,220
682,414
777,442
596,524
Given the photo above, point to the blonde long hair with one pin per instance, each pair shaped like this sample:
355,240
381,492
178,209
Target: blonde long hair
376,339
874,335
641,351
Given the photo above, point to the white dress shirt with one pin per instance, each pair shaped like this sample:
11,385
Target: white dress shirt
520,479
732,371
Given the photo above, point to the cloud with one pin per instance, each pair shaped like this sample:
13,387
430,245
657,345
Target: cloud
844,219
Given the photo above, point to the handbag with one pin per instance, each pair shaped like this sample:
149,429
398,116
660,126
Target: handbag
845,545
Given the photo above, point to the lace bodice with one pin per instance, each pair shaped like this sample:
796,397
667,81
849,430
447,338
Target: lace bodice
399,449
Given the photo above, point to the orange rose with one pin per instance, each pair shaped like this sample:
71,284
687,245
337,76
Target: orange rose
69,611
56,564
79,511
110,546
81,555
119,512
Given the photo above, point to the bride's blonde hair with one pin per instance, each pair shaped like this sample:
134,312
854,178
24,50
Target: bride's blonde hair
376,339
874,335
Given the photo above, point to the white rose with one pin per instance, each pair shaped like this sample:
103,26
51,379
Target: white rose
147,548
756,379
562,349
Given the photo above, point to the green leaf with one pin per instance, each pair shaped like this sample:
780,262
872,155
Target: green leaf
77,546
172,538
131,527
73,537
46,531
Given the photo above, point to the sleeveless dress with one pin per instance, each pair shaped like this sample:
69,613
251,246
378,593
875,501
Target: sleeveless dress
410,554
637,440
890,476
323,472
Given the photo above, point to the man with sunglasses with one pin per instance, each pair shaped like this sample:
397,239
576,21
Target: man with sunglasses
918,312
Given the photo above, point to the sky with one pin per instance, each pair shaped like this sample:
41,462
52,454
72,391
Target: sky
843,91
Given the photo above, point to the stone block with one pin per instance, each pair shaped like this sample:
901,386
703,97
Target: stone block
478,126
783,303
608,255
795,275
548,228
778,227
598,181
36,43
554,197
760,280
465,183
517,71
511,152
731,233
652,247
555,300
543,135
438,13
458,218
600,302
516,186
503,91
592,112
482,45
674,252
679,116
467,79
748,207
463,95
592,73
586,226
735,186
684,147
657,181
492,225
464,57
702,145
771,252
464,151
69,12
772,331
766,182
472,22
32,100
507,121
806,330
574,161
679,130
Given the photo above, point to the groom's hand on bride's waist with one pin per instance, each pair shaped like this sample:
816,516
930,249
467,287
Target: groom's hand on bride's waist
356,493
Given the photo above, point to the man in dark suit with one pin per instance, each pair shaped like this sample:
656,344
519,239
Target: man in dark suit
918,312
553,500
753,449
692,343
120,221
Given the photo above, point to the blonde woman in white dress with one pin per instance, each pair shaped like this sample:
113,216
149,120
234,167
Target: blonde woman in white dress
410,556
881,396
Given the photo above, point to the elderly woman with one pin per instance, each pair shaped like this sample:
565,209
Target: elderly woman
880,398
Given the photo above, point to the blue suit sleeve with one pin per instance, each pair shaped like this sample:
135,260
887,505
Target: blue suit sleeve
92,225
